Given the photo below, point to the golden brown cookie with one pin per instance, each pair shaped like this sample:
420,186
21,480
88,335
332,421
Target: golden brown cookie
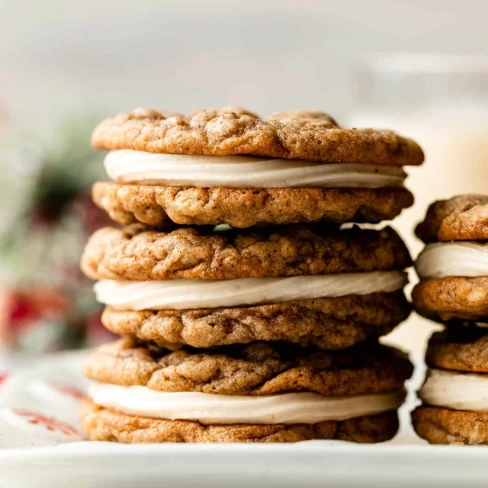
103,424
308,135
135,253
328,323
459,348
254,369
461,218
452,298
246,207
445,426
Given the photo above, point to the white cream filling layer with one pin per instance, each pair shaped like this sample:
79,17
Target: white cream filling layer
127,166
444,259
459,391
289,408
188,294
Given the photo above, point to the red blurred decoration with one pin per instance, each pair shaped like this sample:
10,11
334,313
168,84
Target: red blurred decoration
71,391
48,304
50,423
24,307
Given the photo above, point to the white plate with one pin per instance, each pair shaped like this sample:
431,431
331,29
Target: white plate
309,464
403,462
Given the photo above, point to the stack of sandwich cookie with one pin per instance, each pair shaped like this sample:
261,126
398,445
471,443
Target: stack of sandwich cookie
453,290
251,331
199,288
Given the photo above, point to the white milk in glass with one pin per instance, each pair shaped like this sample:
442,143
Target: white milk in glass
450,121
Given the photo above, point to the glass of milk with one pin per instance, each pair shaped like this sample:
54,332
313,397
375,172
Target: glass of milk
441,101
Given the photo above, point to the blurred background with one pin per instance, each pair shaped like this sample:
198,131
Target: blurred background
417,66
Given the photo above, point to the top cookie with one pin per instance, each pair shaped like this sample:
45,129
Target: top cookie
461,218
137,253
461,348
308,135
252,369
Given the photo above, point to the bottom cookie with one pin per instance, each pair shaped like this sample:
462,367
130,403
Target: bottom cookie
103,424
452,298
447,426
156,205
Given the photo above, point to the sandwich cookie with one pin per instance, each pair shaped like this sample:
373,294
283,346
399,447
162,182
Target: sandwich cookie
229,166
245,393
454,396
453,267
303,284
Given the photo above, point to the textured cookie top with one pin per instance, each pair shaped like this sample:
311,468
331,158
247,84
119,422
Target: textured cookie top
327,323
452,298
157,206
459,349
255,369
447,426
309,135
135,253
461,218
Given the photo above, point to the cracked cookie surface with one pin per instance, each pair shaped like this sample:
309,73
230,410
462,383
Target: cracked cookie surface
445,426
461,218
157,206
135,253
328,323
459,348
255,369
308,135
453,298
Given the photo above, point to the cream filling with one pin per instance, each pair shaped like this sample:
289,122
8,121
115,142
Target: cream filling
459,391
188,294
127,166
207,408
444,259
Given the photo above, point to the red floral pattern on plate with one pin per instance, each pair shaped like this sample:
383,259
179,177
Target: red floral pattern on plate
50,423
